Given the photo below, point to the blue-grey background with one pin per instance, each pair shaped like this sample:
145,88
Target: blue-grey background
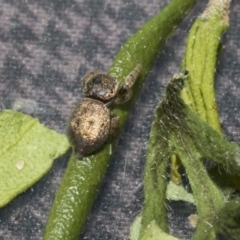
45,49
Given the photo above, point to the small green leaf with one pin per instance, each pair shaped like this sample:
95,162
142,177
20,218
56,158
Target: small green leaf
27,152
153,232
177,192
135,228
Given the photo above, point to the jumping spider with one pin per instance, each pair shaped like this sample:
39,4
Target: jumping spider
91,123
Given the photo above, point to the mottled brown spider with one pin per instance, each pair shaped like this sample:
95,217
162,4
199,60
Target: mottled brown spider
91,122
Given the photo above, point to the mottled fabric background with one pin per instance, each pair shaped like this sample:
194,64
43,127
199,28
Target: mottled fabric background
46,46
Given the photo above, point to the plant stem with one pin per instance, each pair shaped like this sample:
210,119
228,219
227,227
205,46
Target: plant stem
202,50
208,198
228,220
200,60
155,177
179,130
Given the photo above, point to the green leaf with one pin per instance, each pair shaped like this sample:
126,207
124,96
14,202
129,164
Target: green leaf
27,152
178,192
153,232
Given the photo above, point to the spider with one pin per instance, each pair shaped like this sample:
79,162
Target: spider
91,122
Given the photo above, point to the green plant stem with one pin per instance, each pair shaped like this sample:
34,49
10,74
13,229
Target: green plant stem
78,189
201,58
179,130
193,140
143,47
228,220
155,177
208,198
202,50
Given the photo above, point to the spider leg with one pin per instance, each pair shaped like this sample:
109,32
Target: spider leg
132,76
125,92
123,96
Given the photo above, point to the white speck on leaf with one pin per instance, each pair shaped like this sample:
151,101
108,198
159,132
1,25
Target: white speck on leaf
20,164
